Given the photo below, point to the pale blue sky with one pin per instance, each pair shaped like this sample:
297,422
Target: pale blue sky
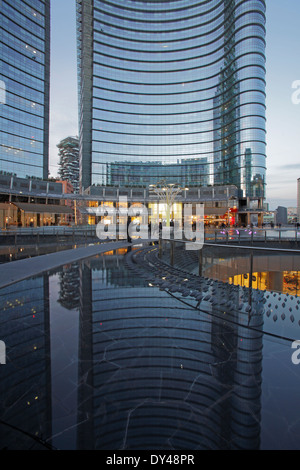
283,68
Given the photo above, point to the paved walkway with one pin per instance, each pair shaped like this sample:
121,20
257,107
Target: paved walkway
16,271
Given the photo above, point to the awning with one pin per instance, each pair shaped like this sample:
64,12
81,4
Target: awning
87,210
98,211
43,208
221,211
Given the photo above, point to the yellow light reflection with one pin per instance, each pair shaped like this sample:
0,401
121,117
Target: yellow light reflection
287,282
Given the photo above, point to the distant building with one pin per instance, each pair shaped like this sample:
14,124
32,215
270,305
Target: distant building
69,161
281,216
266,206
269,217
67,187
143,174
292,215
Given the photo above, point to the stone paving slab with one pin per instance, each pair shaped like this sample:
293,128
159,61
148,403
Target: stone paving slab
19,270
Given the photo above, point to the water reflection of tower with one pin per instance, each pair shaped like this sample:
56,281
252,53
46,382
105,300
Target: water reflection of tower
85,429
96,275
238,366
227,109
69,280
26,378
248,375
144,385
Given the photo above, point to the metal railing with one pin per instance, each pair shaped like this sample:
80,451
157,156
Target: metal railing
252,235
49,230
228,235
222,261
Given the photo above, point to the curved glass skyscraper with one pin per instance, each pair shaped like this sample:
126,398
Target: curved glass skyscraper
24,83
172,90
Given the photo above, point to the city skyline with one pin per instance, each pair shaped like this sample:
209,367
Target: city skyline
282,113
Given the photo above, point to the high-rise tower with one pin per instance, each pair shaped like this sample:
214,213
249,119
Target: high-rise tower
24,80
172,82
69,161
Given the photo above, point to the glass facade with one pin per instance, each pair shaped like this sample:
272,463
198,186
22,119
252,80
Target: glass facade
172,90
24,80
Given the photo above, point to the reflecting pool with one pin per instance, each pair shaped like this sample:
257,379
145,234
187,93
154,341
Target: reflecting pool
275,270
111,354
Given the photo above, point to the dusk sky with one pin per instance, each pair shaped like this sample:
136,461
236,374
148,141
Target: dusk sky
283,116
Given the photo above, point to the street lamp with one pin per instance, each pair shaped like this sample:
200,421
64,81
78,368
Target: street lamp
166,193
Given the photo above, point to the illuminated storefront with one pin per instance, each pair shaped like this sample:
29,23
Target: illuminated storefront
287,282
220,206
34,215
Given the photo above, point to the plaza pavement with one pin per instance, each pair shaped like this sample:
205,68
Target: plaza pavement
19,270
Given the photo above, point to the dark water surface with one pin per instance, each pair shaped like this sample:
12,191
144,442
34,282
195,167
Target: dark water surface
98,357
